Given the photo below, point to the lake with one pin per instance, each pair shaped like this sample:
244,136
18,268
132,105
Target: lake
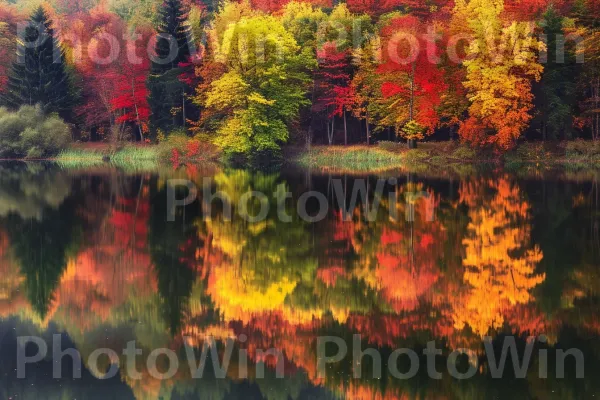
289,281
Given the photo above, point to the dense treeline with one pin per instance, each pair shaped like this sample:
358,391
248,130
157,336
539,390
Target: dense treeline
250,76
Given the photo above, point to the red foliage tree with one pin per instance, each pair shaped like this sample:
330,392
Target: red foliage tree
271,6
131,93
410,70
113,66
334,78
415,7
8,40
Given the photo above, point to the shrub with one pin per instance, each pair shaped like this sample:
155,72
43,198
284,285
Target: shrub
416,155
28,133
179,148
582,149
392,146
464,153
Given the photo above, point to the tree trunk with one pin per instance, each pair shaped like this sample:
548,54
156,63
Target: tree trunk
183,107
345,130
137,114
411,111
544,131
368,130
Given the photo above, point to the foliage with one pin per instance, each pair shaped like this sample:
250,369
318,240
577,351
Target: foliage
168,94
30,133
328,66
412,130
555,94
8,42
464,153
502,63
411,82
188,150
39,75
261,91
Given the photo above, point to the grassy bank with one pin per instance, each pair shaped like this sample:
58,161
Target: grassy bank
128,157
175,152
388,156
450,156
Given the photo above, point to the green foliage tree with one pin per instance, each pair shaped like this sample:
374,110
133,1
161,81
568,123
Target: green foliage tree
264,87
39,75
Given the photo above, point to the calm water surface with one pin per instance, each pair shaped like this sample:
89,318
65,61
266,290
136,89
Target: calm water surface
91,256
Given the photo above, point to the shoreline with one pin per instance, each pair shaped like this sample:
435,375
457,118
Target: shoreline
447,158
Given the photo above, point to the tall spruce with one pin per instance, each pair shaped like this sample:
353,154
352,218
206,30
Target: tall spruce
556,92
169,95
39,75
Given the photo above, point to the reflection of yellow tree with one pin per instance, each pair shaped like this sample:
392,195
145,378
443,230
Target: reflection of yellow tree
499,265
263,262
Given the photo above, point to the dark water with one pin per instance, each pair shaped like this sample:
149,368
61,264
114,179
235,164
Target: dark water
90,256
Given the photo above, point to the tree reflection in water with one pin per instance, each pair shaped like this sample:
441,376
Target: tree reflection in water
94,258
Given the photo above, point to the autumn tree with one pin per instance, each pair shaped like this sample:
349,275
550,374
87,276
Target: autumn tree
113,73
8,42
303,21
589,80
366,85
335,72
264,86
501,65
339,36
131,93
94,113
412,82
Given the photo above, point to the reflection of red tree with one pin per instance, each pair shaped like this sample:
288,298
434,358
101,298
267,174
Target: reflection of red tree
528,319
385,330
339,235
116,264
407,260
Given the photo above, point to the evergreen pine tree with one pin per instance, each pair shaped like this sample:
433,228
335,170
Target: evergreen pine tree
556,91
212,6
168,98
39,75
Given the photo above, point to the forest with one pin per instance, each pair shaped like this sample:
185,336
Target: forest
249,77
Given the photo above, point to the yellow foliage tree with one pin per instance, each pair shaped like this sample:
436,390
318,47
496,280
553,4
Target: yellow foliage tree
501,63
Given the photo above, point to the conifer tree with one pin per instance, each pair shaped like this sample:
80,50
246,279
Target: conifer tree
168,98
39,75
556,92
